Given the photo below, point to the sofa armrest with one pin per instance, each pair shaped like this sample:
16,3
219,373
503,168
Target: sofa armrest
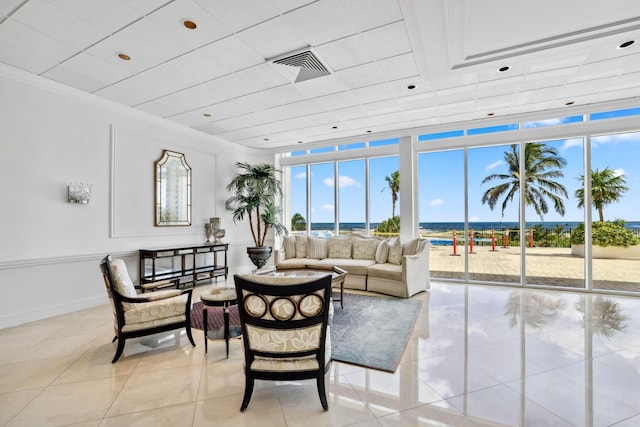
415,270
279,255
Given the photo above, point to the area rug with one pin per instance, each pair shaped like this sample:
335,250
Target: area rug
372,331
369,331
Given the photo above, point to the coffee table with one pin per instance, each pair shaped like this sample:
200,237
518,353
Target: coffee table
337,274
225,298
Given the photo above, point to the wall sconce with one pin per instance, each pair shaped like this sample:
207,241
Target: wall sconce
79,192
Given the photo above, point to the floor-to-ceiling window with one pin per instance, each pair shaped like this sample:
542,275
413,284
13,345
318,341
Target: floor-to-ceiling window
615,184
441,183
297,200
352,200
322,199
383,205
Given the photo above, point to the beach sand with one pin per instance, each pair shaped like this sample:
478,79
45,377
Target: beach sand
544,266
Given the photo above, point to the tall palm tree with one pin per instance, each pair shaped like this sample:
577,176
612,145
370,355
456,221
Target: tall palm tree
607,187
393,183
542,165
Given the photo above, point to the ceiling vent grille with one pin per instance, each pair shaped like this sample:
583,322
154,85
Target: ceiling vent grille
301,66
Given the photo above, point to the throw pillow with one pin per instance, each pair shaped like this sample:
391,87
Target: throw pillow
395,251
289,245
365,248
317,248
340,247
382,252
301,246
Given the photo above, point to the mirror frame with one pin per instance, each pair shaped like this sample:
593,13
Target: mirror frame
173,167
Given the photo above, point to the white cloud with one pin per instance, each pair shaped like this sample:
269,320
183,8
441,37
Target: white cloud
343,181
436,202
618,172
494,165
474,218
573,142
301,175
327,207
614,138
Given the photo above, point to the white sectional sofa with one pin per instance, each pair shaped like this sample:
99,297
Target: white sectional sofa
392,267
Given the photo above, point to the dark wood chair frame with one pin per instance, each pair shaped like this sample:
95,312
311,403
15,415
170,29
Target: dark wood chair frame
117,299
324,284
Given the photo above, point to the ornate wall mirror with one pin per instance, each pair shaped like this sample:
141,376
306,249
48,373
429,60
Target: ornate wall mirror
173,190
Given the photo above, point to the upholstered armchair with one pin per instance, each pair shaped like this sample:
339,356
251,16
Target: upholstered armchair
285,327
140,315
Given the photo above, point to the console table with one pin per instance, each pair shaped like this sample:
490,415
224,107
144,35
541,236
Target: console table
184,265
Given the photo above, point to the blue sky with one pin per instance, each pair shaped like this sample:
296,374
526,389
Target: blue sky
441,182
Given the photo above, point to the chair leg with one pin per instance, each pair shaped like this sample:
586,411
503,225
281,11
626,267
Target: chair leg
248,391
118,350
188,328
114,338
322,392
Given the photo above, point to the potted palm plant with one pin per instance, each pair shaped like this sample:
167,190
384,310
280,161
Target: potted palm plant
255,189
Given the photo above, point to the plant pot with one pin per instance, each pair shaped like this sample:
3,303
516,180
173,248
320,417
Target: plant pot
259,255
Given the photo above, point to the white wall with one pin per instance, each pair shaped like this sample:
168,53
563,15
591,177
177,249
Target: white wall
52,135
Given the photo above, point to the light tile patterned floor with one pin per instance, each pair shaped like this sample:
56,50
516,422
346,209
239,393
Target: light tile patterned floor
479,356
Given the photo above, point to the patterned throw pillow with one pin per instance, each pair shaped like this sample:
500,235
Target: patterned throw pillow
317,248
395,251
289,245
340,247
382,252
301,246
365,248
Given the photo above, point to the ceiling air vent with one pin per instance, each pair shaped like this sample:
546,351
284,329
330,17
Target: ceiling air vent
301,65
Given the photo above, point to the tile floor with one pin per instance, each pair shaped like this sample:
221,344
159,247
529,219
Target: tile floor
479,356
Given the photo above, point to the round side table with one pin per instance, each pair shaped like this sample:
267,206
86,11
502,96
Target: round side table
225,298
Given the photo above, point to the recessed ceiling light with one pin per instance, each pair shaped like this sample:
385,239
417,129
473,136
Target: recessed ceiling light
207,114
299,142
490,114
368,131
189,24
124,56
503,69
569,103
410,87
334,127
266,139
625,44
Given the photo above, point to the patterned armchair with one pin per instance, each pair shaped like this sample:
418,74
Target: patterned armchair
139,315
285,326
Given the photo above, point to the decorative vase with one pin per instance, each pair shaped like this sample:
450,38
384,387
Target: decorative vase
259,255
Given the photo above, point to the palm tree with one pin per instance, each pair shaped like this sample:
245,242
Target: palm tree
254,192
542,165
393,183
607,187
298,222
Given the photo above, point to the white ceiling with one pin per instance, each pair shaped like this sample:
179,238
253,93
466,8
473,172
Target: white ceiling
557,51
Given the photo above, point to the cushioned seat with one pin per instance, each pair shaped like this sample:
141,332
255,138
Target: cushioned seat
351,266
386,271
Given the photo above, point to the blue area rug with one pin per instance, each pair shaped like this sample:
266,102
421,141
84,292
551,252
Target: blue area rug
372,331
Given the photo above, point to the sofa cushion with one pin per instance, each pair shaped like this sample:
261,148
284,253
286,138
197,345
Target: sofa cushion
382,252
317,248
289,245
386,271
340,247
365,248
395,251
351,266
301,246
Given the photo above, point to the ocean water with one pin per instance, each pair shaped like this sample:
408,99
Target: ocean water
444,226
